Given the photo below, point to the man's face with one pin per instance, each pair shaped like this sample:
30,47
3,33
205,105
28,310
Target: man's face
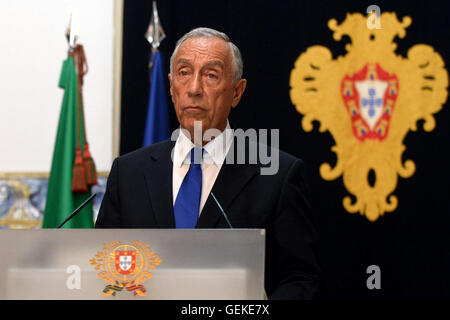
201,84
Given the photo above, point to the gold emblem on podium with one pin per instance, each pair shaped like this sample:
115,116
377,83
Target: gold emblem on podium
368,100
125,266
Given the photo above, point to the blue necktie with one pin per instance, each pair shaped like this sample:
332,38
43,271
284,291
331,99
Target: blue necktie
187,204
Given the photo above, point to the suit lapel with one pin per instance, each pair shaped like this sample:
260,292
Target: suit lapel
158,177
231,180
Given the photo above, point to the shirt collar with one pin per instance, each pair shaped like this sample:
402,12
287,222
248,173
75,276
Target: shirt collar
215,151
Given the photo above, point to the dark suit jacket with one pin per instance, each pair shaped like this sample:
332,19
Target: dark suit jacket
139,195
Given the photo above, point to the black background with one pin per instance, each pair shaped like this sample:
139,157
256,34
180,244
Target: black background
411,244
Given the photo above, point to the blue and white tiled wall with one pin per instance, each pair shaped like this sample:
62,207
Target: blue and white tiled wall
22,201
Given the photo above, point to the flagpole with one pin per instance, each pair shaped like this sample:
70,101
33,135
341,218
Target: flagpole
157,120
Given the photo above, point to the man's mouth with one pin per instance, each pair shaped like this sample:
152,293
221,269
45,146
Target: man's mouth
193,108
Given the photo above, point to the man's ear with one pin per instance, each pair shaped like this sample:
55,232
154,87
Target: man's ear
238,91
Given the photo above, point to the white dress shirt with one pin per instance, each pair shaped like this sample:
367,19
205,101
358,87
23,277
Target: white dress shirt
214,155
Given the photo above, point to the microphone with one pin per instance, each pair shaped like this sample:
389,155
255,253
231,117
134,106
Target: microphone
221,210
76,210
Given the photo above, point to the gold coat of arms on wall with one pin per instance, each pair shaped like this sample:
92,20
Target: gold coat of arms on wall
369,99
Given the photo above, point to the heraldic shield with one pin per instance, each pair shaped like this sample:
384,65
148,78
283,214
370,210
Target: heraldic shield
125,266
125,261
369,99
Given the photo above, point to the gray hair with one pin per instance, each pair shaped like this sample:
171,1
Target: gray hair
238,65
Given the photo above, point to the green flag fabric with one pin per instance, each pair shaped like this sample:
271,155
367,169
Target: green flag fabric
61,201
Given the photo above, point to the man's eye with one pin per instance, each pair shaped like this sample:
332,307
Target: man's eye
212,76
183,73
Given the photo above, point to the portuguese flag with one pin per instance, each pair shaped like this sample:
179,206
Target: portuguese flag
73,170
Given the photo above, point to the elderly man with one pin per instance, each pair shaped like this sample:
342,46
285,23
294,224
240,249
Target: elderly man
149,188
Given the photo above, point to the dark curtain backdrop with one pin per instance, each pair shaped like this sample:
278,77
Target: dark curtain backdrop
411,245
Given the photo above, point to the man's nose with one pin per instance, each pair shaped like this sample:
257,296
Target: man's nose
195,87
